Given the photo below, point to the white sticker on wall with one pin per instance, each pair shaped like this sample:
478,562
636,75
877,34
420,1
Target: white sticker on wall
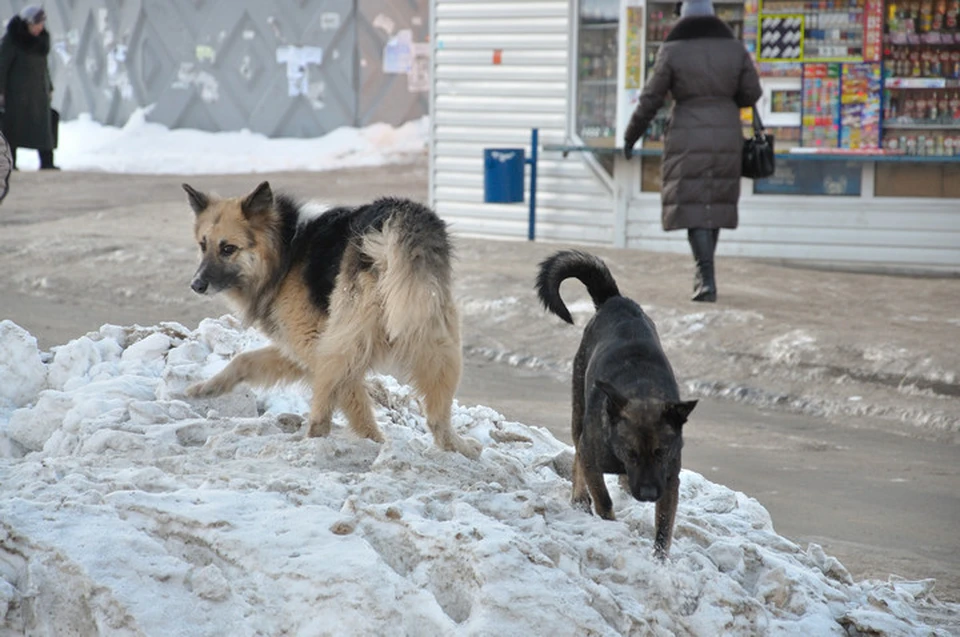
398,52
298,59
330,21
384,23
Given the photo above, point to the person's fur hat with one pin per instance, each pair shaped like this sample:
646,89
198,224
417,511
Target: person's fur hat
33,15
696,7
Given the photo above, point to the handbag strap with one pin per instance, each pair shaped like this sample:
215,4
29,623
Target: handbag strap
757,123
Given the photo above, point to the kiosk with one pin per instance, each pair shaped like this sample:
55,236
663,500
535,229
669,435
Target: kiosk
863,97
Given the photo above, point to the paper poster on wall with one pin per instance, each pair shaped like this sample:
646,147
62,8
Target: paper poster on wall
418,79
297,59
398,53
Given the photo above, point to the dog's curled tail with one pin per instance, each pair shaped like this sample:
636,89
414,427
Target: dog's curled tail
413,254
566,264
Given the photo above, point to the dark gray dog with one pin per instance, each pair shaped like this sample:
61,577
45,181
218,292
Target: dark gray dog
627,413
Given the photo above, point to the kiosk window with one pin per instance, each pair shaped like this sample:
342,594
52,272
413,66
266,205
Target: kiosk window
597,70
805,177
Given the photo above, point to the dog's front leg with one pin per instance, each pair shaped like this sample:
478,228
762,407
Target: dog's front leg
263,367
598,489
666,513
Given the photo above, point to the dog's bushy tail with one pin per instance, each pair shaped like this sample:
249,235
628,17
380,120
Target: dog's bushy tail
566,264
413,256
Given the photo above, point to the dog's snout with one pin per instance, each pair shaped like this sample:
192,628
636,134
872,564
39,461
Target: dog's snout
199,285
647,493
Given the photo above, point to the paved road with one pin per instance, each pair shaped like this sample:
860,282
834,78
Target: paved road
875,489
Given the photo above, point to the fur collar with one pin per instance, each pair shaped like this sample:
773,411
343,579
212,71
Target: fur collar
700,27
21,38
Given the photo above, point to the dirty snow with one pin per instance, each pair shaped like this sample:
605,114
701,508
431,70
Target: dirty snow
89,145
127,510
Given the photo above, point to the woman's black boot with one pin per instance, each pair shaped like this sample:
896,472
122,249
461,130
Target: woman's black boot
702,243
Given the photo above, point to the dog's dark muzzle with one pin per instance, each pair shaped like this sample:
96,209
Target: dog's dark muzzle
646,493
212,277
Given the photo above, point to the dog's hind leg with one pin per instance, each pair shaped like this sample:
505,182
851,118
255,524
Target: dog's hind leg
581,497
339,362
330,387
436,375
263,367
356,404
666,513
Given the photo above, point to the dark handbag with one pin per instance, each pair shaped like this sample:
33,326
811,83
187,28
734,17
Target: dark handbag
758,158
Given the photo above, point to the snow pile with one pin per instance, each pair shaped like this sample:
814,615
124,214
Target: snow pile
126,510
89,145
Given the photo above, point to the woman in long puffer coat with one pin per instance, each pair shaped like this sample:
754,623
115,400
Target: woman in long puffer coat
25,85
711,77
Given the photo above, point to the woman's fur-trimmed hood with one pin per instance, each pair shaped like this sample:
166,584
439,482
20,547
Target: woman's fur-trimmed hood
17,31
700,27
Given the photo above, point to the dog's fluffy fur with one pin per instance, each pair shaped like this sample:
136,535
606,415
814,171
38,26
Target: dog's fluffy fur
627,414
339,294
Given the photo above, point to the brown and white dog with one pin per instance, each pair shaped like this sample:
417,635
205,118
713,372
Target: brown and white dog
340,293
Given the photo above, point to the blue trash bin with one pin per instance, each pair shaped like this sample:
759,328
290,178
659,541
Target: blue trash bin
503,175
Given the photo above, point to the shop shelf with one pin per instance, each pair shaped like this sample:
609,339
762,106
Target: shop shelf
921,82
924,126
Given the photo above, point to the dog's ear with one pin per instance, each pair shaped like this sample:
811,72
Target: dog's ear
617,401
198,200
677,413
258,201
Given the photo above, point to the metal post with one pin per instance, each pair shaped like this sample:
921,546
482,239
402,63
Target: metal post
534,143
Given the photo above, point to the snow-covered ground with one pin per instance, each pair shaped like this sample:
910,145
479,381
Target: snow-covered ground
126,509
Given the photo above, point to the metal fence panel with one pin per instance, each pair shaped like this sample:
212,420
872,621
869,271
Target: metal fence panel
288,68
394,60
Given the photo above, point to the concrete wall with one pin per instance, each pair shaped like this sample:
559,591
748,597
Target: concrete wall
283,68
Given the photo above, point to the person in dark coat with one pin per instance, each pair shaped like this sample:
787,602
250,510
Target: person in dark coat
25,85
710,76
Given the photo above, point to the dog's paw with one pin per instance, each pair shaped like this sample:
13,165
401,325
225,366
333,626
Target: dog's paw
375,435
661,552
203,389
467,446
581,504
289,423
318,428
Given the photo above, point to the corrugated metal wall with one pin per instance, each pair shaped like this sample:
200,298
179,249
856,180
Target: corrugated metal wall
287,68
894,232
502,68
